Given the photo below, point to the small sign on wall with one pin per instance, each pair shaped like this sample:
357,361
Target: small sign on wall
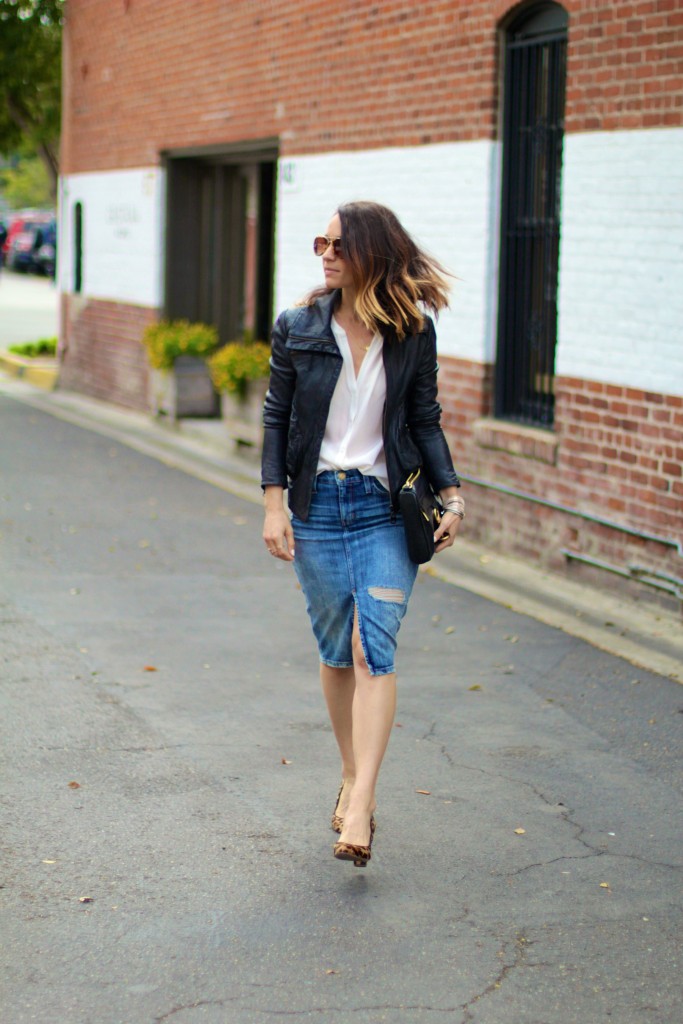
289,176
122,217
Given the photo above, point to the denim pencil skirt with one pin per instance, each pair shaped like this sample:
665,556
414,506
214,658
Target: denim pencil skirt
351,554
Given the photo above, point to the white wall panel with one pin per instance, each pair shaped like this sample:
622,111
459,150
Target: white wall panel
122,236
621,259
445,195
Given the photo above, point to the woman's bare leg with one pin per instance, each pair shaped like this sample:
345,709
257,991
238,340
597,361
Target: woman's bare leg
339,685
373,712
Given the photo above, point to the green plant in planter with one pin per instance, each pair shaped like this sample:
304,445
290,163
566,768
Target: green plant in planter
238,362
166,340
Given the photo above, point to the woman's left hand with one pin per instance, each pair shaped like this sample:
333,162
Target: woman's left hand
445,534
450,522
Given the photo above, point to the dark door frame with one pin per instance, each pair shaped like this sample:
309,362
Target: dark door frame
205,243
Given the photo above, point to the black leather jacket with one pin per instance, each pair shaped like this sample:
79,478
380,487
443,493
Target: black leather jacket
305,366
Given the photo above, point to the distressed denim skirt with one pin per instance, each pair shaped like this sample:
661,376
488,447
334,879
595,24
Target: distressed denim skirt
351,554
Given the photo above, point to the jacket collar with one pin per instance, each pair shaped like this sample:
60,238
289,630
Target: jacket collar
316,321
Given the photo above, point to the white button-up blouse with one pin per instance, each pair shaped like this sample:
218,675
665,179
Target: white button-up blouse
353,435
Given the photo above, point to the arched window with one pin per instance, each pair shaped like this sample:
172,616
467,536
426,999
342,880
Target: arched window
78,248
533,129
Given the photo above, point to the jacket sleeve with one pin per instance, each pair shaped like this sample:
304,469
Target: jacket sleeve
277,408
423,414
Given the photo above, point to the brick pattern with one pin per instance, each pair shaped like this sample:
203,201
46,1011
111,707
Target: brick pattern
393,74
101,354
619,458
465,395
623,449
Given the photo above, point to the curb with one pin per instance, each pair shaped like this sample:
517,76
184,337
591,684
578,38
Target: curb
42,373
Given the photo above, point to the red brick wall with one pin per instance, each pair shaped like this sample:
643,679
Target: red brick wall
615,452
142,76
103,357
465,394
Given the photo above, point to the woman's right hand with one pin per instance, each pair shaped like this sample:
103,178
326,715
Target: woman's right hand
278,534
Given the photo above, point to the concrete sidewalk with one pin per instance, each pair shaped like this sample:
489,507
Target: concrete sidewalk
643,633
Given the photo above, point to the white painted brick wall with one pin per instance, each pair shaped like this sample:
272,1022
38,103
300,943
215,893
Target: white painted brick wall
444,195
123,234
621,259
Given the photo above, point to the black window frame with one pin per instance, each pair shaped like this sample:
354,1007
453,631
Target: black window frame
534,86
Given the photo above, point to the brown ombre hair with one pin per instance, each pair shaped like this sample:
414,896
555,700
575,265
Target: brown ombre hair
393,278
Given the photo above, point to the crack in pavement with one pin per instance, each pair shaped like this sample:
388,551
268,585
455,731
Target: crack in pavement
356,1009
564,814
546,863
520,960
189,1006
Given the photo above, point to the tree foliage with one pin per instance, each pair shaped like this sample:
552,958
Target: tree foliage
30,79
26,184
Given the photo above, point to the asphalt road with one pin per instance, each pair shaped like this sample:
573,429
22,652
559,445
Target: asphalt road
162,862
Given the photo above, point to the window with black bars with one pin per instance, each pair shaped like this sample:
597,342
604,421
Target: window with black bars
533,129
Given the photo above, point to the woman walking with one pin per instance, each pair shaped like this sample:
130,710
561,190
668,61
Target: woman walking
351,411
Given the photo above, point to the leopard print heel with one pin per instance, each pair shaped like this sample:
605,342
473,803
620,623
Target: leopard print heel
360,855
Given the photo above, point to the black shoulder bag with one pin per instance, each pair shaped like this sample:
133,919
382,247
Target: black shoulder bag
421,510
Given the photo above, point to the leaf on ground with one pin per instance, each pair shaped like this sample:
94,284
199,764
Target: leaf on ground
511,638
520,831
330,971
424,792
150,668
449,629
85,899
475,686
605,885
74,785
49,862
285,761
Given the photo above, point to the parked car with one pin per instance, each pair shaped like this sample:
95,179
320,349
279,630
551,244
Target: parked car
45,256
32,250
22,223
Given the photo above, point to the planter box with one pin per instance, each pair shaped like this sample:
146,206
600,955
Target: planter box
184,391
243,415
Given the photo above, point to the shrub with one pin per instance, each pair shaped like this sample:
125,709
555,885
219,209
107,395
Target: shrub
166,340
31,349
238,362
